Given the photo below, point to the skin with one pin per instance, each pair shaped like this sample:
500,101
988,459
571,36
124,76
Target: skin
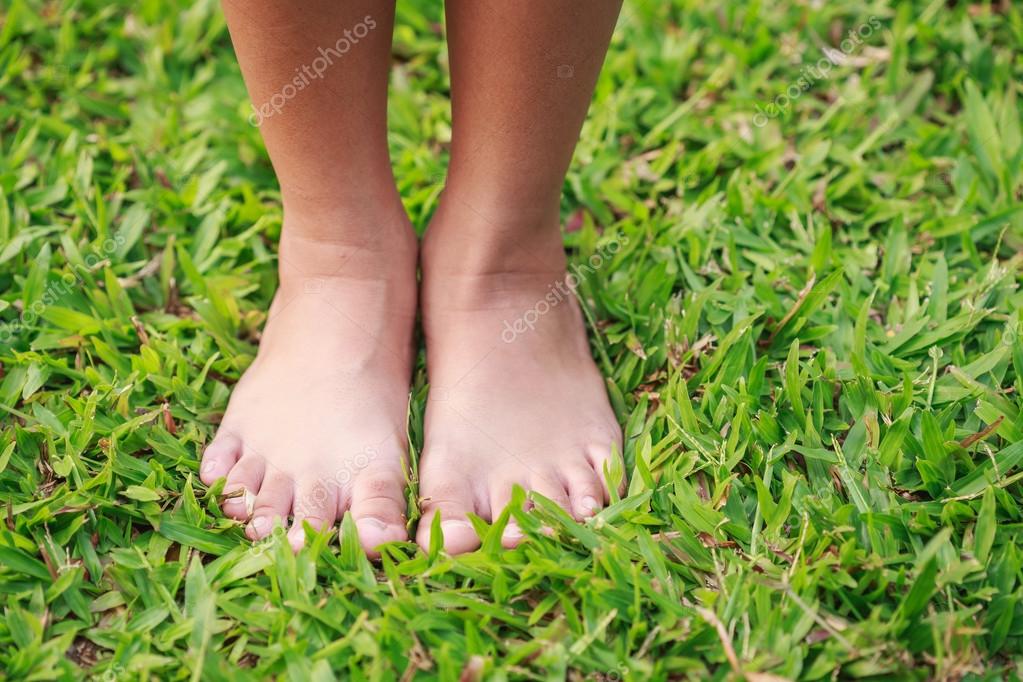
531,411
316,426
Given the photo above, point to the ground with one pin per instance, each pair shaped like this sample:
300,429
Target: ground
800,255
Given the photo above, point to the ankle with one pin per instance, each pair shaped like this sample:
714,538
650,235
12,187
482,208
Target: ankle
507,197
361,243
485,240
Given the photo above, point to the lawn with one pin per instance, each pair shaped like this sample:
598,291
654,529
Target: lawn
810,326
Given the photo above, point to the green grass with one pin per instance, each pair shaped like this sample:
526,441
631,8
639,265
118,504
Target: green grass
812,337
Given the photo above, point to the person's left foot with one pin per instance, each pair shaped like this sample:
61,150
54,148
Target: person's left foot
515,396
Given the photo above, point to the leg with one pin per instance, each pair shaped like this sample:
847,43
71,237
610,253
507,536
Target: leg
531,409
316,426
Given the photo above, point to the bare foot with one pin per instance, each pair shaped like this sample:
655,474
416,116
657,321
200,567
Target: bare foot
316,426
515,396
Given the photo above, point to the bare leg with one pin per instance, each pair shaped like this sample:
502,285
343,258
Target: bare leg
506,407
316,425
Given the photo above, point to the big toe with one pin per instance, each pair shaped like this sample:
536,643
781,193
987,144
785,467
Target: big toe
378,508
449,495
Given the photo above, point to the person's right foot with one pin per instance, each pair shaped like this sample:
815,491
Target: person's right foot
316,426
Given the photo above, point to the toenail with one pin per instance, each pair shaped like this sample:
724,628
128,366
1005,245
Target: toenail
296,538
370,523
454,526
261,523
207,467
590,505
512,533
247,498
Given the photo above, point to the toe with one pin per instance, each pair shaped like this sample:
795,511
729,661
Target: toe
315,503
378,507
449,495
242,483
550,486
603,459
273,502
500,498
219,457
586,491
